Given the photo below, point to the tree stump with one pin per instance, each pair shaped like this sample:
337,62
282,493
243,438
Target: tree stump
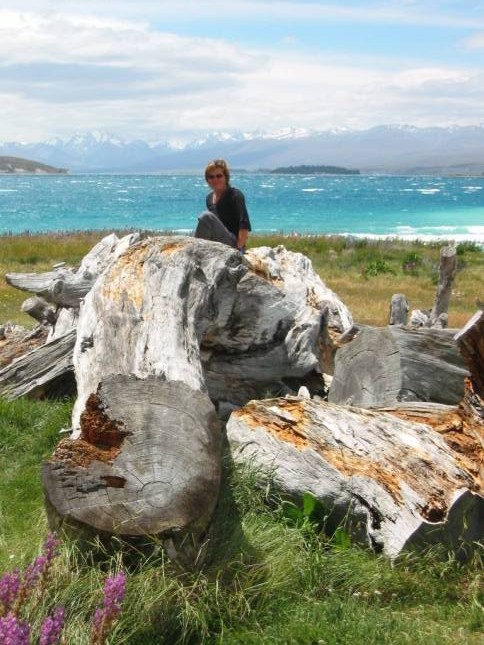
382,366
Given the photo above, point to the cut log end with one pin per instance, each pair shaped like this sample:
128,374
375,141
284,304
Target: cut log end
147,462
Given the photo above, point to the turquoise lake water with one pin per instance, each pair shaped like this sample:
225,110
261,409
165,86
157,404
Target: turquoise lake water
373,206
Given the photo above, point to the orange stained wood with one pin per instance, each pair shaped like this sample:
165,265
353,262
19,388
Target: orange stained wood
294,425
289,426
78,452
124,279
464,435
260,268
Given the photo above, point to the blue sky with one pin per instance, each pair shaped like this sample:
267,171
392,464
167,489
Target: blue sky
175,70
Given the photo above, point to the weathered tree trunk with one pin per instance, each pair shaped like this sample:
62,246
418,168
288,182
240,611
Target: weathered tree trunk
169,325
398,309
42,372
382,366
447,271
147,463
392,483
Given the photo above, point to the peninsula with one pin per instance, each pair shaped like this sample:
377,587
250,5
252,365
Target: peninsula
18,165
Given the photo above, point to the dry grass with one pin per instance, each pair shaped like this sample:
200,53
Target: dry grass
344,264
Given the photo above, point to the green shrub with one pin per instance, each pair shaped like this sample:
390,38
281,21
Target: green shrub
377,267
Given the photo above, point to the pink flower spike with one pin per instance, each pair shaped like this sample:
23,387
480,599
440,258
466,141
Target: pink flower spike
13,632
51,629
9,589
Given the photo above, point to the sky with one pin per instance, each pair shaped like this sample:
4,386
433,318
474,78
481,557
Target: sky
173,71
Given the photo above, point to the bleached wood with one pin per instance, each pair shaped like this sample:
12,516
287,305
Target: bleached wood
394,484
384,365
65,287
196,311
470,340
45,371
39,309
170,324
398,309
147,464
447,272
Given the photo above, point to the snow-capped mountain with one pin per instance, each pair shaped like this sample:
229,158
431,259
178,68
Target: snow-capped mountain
386,148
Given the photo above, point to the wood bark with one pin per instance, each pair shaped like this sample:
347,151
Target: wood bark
171,326
394,484
382,366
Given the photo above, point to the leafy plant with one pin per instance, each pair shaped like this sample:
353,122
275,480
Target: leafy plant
377,267
411,263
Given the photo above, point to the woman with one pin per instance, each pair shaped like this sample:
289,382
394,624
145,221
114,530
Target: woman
226,219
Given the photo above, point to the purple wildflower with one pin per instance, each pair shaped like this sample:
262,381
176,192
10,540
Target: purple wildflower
39,568
104,619
52,627
9,590
13,632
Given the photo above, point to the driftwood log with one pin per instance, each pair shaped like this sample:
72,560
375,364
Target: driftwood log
394,484
172,329
45,371
382,366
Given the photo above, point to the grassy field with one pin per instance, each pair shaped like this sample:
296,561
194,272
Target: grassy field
267,578
364,273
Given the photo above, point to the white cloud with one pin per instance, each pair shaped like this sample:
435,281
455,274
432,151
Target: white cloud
398,12
60,73
475,42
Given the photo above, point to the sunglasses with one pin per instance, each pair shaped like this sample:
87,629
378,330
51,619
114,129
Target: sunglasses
217,176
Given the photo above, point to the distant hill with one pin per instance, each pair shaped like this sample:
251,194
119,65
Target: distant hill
314,170
18,165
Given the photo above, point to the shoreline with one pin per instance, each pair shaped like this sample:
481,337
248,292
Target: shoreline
410,238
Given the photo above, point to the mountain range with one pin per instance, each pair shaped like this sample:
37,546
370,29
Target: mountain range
386,148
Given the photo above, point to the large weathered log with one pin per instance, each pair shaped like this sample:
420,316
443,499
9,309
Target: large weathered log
196,312
382,366
393,484
45,371
170,323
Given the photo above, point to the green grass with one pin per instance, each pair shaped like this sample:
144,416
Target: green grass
266,578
